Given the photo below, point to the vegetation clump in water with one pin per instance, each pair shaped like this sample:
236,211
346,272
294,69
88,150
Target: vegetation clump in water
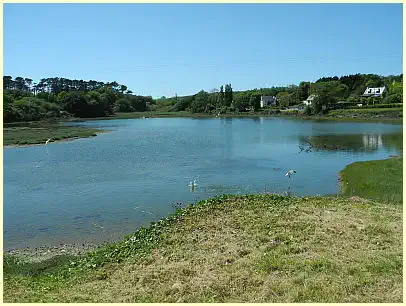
39,133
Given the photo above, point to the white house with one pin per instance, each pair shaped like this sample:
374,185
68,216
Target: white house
267,100
374,91
309,100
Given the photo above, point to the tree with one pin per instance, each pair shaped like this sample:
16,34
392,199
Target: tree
220,97
8,82
326,93
123,88
74,103
241,101
255,101
183,103
200,102
19,83
228,95
303,91
122,105
29,83
10,113
308,110
138,103
96,106
283,98
33,109
213,98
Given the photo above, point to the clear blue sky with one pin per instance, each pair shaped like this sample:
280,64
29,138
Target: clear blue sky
163,49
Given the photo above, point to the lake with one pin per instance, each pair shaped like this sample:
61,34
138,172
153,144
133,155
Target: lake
101,188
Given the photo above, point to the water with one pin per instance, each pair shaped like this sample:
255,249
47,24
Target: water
98,189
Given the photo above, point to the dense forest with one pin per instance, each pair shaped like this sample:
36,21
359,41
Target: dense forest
58,97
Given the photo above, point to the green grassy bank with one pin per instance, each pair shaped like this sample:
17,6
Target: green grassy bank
39,132
253,248
374,113
380,180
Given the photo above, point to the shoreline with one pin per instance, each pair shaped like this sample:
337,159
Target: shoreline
242,115
38,254
149,115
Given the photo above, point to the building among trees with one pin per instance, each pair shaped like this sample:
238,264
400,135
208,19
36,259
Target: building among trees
309,100
373,91
268,100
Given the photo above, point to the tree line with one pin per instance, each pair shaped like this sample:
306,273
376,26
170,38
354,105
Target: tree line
329,92
59,97
57,85
56,97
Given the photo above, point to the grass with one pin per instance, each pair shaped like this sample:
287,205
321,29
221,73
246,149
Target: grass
368,113
252,248
38,133
377,179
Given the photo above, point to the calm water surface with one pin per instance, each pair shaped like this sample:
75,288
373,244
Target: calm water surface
98,189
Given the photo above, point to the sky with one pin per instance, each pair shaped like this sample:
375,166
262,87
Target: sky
168,49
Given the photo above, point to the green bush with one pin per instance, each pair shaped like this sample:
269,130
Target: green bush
308,110
394,99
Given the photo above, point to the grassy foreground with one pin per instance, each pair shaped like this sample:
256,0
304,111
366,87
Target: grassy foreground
38,133
381,180
253,248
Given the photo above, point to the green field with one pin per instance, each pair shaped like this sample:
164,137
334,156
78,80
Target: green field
380,180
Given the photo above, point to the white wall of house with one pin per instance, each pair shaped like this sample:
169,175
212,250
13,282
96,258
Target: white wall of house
267,100
309,100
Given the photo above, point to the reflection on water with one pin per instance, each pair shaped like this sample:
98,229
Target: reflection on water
372,142
98,189
351,142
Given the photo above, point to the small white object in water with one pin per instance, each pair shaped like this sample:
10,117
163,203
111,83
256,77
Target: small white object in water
46,142
290,172
193,183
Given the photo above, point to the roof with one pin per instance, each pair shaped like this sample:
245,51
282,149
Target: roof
310,98
374,91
